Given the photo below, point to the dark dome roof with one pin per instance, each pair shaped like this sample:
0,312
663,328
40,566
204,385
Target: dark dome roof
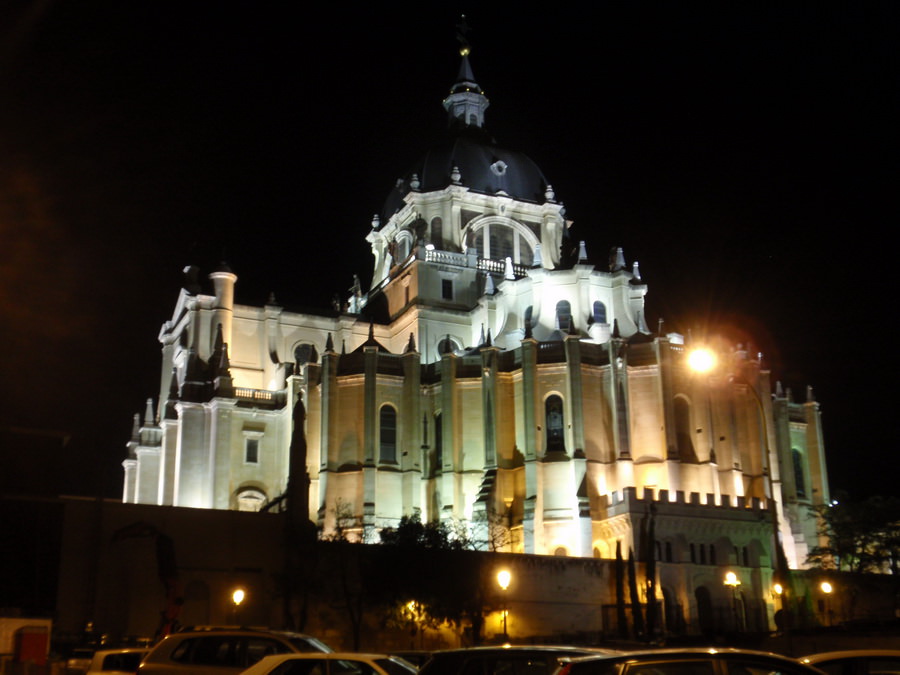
483,166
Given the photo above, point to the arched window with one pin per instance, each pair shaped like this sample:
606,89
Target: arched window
387,446
305,353
250,499
555,424
564,315
437,233
683,431
799,479
599,312
502,240
438,443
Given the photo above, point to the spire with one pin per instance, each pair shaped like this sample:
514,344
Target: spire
136,428
329,343
466,103
489,285
148,413
582,251
616,259
508,272
488,342
411,345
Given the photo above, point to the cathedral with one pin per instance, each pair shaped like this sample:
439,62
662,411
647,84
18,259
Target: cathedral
491,376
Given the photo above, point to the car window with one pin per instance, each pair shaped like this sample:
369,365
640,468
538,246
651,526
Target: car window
258,647
395,667
209,650
756,667
883,665
513,664
301,667
695,667
124,661
836,667
348,667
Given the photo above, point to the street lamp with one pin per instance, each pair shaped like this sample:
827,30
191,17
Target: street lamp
503,579
733,582
237,597
826,589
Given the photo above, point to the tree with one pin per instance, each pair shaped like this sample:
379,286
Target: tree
859,536
432,565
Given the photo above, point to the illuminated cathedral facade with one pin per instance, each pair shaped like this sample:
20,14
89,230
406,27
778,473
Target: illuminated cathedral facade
492,376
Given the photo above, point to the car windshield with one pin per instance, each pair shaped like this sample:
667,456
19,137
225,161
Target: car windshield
396,667
307,643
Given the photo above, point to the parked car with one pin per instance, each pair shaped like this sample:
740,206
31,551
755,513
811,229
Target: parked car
343,663
514,660
689,661
117,661
223,651
857,662
79,660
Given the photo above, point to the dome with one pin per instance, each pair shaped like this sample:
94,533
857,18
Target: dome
483,167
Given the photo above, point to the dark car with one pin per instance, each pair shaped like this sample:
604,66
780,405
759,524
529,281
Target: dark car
501,660
857,662
692,661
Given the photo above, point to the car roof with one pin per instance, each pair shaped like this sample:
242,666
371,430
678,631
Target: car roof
522,648
849,654
681,651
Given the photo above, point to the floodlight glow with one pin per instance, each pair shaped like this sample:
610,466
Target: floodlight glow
701,360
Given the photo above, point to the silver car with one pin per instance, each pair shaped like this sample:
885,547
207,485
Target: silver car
223,651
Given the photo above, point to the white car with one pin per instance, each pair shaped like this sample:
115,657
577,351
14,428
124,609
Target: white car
336,663
222,651
117,661
857,662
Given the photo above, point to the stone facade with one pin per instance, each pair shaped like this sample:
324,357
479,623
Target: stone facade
493,376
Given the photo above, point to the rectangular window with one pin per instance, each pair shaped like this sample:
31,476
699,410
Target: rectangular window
447,289
251,451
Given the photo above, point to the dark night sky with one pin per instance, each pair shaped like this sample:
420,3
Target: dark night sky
742,152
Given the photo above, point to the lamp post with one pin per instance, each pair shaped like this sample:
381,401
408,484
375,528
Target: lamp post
503,579
237,597
826,589
732,581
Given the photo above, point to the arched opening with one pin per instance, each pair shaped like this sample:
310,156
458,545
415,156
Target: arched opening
498,240
438,444
599,314
685,443
799,478
705,611
564,315
554,421
437,232
250,499
387,439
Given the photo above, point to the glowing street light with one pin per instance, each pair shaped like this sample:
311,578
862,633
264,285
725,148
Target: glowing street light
237,597
826,589
503,579
732,581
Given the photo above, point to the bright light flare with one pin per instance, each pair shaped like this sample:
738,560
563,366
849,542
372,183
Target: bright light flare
503,579
701,360
238,596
